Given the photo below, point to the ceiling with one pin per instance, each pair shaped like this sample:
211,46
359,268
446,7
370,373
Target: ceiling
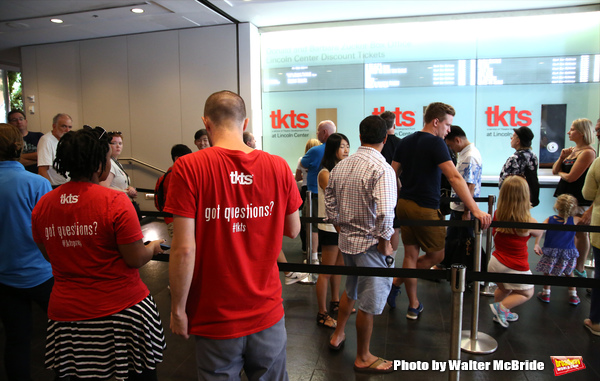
27,22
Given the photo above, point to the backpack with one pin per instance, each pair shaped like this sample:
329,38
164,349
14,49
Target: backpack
159,192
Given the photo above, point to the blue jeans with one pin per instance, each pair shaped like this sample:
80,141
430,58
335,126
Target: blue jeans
262,355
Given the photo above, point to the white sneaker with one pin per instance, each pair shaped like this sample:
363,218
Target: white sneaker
294,277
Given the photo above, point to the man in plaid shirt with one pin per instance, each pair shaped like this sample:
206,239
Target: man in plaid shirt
360,201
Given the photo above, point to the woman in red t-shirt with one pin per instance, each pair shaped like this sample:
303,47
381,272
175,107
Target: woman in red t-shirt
511,254
103,321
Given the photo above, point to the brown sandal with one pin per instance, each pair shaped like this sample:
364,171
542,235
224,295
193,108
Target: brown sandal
325,320
334,307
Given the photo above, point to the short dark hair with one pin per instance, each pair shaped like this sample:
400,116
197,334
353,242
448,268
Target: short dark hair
225,105
373,130
246,136
438,110
80,153
179,150
389,117
455,131
333,143
200,133
15,111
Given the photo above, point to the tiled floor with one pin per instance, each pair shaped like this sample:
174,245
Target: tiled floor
543,330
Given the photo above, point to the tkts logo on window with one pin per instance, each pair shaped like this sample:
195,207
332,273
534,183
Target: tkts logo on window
291,120
567,364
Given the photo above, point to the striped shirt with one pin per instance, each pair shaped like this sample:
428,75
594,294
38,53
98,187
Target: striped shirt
360,199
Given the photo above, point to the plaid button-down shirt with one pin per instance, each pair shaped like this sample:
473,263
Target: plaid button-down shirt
360,199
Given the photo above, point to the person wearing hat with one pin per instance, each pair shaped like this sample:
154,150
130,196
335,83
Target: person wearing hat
572,167
523,162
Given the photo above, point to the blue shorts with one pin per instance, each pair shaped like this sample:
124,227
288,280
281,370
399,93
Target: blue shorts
370,291
261,355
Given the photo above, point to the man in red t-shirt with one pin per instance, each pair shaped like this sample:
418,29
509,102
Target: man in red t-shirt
233,206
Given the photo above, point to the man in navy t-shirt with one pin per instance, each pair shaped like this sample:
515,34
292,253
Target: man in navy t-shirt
29,154
420,159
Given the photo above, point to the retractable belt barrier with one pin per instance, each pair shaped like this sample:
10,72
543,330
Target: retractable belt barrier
443,274
446,274
470,341
440,274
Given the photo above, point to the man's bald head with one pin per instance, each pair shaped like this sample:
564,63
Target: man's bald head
325,128
224,107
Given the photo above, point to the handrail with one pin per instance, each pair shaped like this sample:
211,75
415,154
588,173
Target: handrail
144,164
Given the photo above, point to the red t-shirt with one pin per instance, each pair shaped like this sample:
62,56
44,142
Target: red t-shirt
239,202
511,250
81,224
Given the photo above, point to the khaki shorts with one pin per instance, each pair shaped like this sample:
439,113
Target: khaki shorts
428,238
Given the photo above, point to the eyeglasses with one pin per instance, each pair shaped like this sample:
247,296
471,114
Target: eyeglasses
16,119
115,133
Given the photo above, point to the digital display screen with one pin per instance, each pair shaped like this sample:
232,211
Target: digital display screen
472,72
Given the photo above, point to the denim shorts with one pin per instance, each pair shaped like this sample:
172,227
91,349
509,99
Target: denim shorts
370,291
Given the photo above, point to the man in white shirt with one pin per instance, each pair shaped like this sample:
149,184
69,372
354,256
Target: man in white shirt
61,124
469,165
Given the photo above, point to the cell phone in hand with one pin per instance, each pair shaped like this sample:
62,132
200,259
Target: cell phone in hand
163,246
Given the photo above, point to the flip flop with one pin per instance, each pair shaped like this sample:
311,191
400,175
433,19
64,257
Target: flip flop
334,347
373,367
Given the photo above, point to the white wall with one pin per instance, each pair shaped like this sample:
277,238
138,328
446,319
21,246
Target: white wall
152,87
250,90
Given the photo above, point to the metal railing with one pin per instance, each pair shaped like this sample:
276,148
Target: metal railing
130,159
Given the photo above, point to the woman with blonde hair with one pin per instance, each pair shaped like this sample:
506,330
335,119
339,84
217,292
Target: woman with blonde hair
510,255
572,167
559,255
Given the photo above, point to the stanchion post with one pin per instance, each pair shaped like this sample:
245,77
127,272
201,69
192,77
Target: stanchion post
473,341
308,227
488,290
476,285
312,278
457,284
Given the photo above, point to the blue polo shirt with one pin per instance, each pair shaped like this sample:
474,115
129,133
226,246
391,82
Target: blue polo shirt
22,265
312,162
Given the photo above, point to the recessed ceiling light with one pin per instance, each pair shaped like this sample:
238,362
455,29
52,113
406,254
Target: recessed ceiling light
56,21
137,10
